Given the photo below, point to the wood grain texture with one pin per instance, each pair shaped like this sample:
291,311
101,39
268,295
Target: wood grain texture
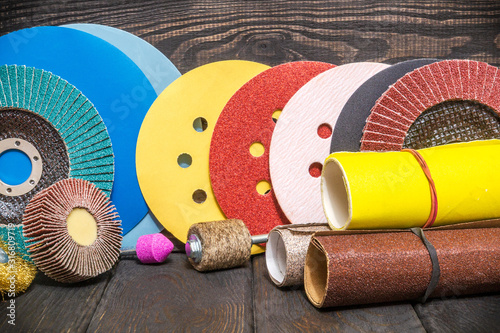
288,310
467,314
174,297
192,33
50,306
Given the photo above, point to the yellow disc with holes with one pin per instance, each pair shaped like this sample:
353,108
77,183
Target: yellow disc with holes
174,144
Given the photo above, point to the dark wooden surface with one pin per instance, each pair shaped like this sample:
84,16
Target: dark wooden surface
193,33
174,297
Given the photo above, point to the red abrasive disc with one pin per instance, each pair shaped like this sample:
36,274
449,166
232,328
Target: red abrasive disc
475,85
239,151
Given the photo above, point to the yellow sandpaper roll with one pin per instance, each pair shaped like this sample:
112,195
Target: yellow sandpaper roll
375,190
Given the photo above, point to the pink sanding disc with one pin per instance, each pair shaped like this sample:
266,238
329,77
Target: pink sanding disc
246,120
153,249
302,137
398,108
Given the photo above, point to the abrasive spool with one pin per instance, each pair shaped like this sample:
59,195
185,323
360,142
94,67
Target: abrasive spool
73,231
220,244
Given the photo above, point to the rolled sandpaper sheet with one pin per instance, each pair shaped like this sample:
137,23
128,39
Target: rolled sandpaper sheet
361,267
286,252
376,190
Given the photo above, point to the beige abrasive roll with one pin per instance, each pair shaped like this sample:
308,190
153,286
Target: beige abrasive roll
224,244
286,252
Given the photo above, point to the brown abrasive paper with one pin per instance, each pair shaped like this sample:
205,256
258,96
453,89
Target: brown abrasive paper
286,252
374,266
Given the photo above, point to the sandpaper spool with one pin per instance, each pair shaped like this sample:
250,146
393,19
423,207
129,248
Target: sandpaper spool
286,252
356,267
444,102
220,244
74,231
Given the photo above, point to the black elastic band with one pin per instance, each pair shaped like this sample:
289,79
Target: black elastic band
436,271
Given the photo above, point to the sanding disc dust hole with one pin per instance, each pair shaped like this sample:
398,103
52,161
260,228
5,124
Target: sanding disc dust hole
200,124
315,169
257,149
263,187
325,131
184,160
276,115
199,196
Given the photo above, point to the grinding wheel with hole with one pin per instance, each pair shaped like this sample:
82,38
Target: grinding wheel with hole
239,152
106,76
174,143
348,130
48,120
444,102
61,130
74,231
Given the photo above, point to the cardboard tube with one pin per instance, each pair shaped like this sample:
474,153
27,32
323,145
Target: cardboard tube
372,190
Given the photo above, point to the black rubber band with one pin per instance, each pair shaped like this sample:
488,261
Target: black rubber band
436,270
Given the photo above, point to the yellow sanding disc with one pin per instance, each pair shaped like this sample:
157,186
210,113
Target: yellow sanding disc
174,144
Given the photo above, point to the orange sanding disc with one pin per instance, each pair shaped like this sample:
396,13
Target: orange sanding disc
239,151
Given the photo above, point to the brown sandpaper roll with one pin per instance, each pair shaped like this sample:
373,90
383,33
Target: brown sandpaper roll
362,267
286,252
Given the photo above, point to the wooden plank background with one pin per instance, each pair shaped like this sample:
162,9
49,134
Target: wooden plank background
193,33
172,296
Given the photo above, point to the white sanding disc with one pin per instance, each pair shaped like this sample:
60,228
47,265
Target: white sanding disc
302,137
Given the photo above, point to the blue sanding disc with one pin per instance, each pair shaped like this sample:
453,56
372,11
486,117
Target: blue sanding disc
160,72
155,65
119,90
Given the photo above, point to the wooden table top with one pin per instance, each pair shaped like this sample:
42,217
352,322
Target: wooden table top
173,296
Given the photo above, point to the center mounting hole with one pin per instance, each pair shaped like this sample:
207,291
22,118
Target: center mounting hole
184,160
200,124
325,131
257,149
82,226
15,167
199,196
263,187
276,115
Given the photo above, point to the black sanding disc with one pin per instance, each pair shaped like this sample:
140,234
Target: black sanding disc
349,127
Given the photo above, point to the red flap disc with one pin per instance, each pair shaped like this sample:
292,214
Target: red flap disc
239,151
474,85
